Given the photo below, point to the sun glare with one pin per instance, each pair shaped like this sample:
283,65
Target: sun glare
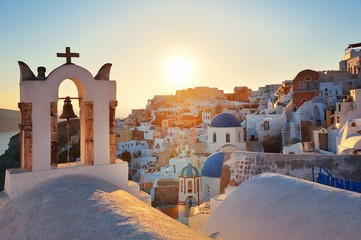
180,70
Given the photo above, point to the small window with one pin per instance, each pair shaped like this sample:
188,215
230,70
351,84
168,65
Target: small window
315,84
228,137
301,84
197,185
266,125
214,137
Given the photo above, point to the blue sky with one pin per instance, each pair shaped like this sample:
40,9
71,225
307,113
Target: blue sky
227,43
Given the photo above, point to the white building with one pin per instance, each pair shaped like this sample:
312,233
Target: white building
336,85
259,124
349,109
320,139
139,150
133,146
349,138
173,132
211,175
148,129
351,60
159,145
313,110
225,129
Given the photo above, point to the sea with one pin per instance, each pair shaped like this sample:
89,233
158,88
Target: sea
4,140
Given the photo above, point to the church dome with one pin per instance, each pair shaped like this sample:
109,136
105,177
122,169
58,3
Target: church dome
224,120
189,171
212,166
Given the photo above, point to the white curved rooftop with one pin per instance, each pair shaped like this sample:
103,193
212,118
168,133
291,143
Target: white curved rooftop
272,206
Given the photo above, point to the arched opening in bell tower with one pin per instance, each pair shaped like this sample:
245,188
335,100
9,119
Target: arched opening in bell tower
68,119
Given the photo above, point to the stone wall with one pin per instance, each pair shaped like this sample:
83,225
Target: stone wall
166,195
240,166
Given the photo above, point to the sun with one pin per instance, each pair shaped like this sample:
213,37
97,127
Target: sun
180,70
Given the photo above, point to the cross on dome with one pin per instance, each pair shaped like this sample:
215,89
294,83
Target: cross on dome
68,55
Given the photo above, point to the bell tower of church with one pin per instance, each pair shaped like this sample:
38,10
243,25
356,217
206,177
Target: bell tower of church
39,118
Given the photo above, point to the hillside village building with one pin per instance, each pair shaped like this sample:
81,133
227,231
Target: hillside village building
349,138
240,94
140,152
284,93
348,109
199,94
258,125
336,85
305,86
352,59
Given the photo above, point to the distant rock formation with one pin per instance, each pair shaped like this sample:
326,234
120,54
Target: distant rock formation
9,120
10,159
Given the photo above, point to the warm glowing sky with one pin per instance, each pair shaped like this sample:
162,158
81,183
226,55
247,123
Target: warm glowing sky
219,43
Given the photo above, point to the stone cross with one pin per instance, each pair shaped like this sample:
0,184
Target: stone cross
68,55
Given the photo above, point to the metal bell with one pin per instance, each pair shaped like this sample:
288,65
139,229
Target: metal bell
68,111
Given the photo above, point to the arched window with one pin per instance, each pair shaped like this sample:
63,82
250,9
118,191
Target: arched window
228,137
189,186
214,137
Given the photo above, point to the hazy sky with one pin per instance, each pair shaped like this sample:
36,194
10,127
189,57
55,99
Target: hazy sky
205,43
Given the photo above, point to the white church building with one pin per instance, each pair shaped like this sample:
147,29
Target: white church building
189,185
211,176
39,128
225,129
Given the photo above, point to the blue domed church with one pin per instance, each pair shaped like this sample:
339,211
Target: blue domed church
211,175
225,130
189,185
